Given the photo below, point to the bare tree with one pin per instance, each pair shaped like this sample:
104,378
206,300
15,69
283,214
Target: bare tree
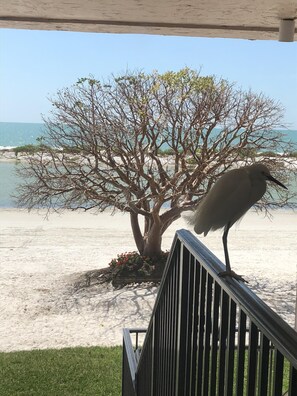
148,144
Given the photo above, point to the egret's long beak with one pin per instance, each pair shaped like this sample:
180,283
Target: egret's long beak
271,178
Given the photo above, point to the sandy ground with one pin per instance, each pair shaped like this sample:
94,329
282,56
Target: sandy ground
43,262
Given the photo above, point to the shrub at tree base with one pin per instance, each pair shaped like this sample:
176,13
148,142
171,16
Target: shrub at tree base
130,267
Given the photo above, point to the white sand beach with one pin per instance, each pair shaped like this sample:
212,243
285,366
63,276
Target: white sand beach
43,262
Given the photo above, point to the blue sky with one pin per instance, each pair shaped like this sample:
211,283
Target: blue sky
35,64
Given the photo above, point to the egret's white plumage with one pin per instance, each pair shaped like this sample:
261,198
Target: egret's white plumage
229,199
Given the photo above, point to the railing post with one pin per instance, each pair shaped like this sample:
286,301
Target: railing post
129,366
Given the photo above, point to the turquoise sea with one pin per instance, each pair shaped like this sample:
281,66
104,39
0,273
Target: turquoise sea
14,134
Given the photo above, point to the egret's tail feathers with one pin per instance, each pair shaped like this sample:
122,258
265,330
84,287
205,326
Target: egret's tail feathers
193,219
200,230
197,229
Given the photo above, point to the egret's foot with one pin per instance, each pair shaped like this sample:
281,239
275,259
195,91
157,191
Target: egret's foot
233,275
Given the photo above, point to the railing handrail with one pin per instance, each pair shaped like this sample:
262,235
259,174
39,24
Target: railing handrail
277,330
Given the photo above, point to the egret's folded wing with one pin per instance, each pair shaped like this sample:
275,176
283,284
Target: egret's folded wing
227,201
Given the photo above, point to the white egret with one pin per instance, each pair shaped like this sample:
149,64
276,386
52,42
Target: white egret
229,199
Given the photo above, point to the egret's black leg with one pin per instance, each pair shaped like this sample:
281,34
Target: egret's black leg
225,236
228,271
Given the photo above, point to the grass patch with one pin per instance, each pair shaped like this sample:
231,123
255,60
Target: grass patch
65,372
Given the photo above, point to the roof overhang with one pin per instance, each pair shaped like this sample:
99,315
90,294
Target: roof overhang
254,19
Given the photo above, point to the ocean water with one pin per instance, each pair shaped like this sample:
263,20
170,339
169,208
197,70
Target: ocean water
13,134
8,184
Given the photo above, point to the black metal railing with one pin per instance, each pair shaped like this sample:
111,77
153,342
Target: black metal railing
209,335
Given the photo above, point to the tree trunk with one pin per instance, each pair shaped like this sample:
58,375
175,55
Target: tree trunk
138,237
153,249
149,244
152,246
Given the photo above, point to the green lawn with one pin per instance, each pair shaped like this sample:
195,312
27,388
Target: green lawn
64,372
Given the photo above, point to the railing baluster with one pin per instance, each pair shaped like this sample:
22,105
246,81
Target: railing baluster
253,361
202,288
192,327
224,319
278,373
230,349
206,355
263,365
214,339
293,381
186,307
194,361
241,344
